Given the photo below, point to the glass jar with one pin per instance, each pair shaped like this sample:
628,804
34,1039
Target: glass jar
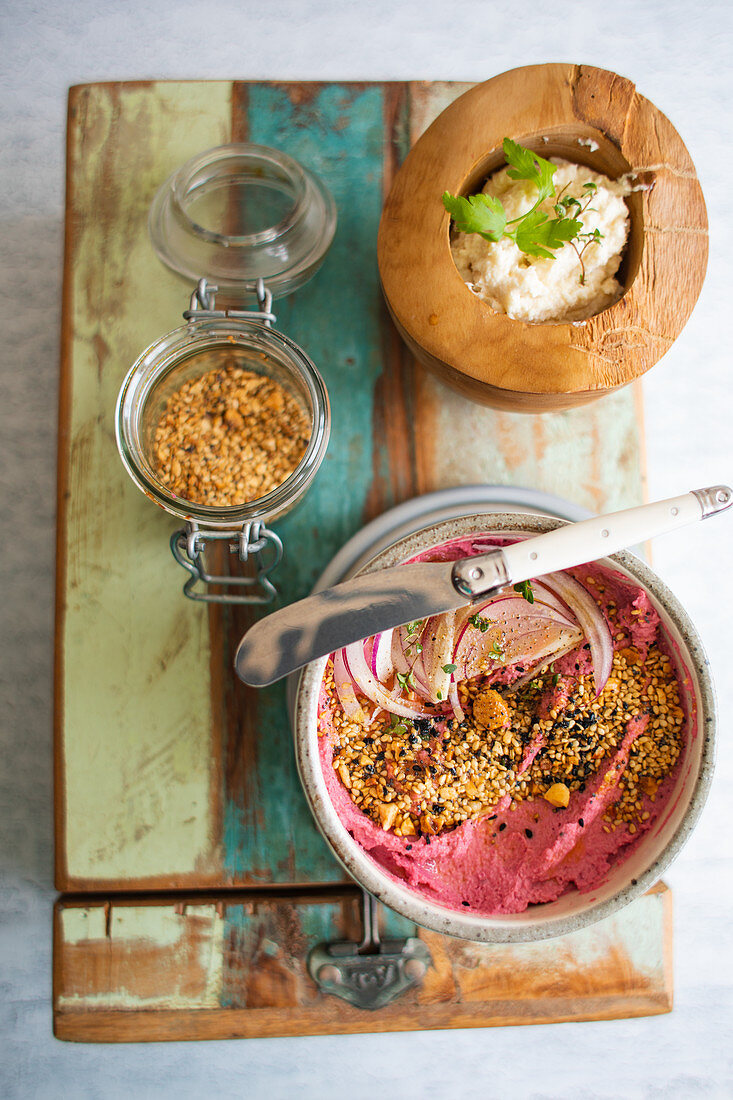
249,220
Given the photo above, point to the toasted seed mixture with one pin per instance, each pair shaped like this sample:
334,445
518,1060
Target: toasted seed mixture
228,437
415,779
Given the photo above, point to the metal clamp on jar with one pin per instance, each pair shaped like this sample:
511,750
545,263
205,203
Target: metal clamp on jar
239,220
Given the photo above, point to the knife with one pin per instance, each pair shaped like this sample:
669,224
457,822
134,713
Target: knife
372,602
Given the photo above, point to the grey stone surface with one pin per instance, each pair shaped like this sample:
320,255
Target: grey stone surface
678,55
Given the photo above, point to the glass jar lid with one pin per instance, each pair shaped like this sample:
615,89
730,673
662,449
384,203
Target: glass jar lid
242,212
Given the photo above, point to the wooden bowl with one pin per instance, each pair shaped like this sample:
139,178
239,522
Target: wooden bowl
511,364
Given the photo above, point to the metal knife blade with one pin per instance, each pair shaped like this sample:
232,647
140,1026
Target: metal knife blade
335,617
368,604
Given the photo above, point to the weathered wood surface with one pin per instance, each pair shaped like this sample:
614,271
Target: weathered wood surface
233,967
170,774
535,368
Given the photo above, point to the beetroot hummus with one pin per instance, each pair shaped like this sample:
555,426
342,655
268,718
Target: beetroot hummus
501,777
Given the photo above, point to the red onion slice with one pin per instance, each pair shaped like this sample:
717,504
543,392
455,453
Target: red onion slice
528,643
455,702
503,609
369,686
592,621
382,663
345,687
438,642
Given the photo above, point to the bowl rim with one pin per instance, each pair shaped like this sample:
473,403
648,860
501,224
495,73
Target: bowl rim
402,898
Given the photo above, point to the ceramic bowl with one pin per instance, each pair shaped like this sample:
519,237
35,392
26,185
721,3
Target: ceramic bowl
629,877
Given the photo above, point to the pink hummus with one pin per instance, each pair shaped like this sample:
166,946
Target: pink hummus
511,859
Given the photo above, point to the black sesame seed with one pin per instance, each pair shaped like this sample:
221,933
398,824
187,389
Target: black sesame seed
427,839
634,881
581,822
380,756
502,827
408,847
528,833
467,903
493,817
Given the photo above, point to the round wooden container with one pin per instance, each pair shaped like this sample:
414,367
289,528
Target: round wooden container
510,364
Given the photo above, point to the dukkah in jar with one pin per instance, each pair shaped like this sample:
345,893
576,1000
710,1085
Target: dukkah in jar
228,437
499,756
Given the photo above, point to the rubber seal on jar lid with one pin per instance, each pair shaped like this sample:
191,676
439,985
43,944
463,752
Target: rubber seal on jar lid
242,212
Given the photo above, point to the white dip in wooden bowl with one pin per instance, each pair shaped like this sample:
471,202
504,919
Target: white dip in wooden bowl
565,287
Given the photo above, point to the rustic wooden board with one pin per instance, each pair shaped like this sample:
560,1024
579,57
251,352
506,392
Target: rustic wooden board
170,775
234,967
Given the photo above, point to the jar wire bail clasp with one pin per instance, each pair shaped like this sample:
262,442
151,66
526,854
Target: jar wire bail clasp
254,541
202,306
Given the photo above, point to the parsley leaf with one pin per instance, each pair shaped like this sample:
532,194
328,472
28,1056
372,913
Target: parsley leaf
449,668
480,623
482,214
536,233
526,165
533,232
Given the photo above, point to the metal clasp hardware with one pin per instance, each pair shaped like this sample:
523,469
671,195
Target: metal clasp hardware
202,306
373,973
188,545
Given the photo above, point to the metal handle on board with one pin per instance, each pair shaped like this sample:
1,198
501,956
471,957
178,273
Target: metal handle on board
373,973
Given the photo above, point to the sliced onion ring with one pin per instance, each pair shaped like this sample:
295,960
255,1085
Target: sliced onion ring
345,687
592,621
369,686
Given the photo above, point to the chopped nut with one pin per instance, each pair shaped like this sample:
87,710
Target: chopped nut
344,775
490,710
557,795
387,815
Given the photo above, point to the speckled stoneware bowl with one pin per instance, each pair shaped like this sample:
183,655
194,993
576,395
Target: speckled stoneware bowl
631,876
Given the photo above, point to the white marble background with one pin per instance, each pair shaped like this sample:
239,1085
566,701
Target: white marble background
678,54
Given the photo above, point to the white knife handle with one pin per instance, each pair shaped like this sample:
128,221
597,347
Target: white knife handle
588,540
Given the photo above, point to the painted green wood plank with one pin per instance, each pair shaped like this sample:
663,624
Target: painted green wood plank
136,720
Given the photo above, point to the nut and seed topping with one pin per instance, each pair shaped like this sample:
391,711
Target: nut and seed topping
546,740
228,437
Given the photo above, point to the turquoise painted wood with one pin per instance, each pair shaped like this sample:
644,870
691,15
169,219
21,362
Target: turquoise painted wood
337,319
